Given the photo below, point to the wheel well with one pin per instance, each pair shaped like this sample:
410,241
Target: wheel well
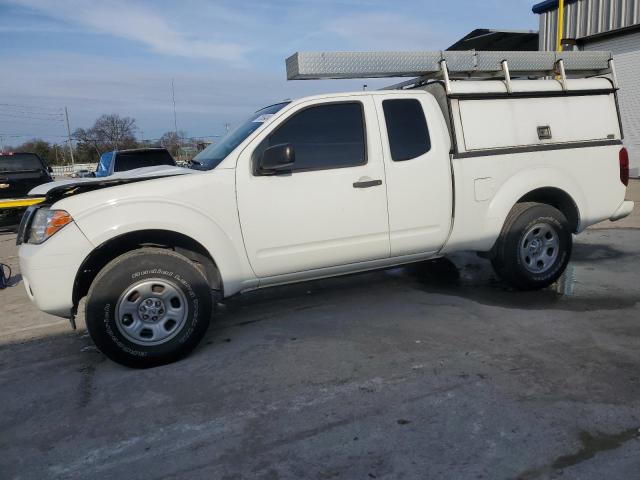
116,246
556,198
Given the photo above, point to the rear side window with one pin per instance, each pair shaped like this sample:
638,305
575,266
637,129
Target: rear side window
407,129
325,136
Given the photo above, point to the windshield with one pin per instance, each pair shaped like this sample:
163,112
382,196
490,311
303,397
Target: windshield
142,158
211,156
20,162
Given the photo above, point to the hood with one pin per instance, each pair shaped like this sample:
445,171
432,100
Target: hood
59,189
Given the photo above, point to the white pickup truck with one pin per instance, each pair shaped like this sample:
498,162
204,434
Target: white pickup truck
329,185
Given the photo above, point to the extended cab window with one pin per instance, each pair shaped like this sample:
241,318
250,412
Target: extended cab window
406,128
325,136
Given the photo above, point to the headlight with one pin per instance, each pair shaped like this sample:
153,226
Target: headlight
47,222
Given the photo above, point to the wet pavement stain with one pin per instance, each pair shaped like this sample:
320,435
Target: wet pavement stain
590,283
466,275
462,275
592,444
595,252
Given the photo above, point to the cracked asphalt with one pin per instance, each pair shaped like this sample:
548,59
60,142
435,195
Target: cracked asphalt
436,370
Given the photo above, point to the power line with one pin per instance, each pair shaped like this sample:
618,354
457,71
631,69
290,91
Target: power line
25,117
45,116
32,135
31,107
30,110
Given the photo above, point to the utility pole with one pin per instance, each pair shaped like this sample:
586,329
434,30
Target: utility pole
66,114
175,118
1,144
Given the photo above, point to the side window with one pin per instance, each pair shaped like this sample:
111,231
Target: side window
407,129
325,136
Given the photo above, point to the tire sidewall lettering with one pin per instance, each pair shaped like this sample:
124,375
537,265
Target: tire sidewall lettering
185,285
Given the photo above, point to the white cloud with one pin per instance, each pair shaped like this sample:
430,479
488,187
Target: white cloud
134,22
386,31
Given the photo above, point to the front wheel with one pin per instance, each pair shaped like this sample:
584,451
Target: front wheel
534,246
148,307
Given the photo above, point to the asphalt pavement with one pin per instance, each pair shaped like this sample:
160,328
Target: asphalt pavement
436,370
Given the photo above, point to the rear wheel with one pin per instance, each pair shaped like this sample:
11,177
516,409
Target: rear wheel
148,307
534,246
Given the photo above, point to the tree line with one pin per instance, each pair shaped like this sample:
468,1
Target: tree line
109,132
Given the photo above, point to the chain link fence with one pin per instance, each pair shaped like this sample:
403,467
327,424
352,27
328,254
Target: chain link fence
66,170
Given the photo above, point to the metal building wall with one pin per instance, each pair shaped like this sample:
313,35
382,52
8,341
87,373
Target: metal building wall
584,18
626,51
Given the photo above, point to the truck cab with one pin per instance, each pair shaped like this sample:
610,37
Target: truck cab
123,160
361,162
20,172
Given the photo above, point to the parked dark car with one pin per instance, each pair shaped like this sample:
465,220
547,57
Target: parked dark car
83,174
19,173
123,160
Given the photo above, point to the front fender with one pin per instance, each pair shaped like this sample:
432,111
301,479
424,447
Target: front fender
201,207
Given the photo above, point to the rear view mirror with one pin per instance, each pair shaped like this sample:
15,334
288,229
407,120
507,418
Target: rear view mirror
277,158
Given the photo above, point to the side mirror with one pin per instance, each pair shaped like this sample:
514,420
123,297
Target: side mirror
49,169
277,158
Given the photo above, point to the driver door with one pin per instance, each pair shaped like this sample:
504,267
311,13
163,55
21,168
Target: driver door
331,208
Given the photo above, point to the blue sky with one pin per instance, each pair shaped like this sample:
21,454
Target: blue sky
226,57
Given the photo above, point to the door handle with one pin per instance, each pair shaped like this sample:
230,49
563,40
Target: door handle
367,183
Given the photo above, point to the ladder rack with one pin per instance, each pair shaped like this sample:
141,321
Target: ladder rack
449,65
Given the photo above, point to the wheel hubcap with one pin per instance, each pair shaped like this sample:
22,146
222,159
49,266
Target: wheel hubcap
539,248
151,312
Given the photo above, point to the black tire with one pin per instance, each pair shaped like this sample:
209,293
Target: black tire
509,257
143,267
